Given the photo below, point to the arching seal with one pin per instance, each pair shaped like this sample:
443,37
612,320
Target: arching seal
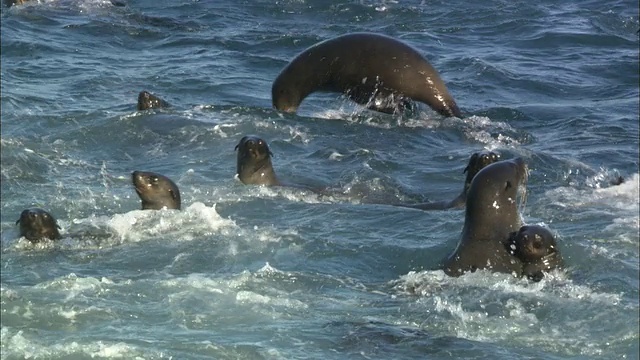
156,191
37,224
254,162
536,247
147,100
365,67
477,162
490,218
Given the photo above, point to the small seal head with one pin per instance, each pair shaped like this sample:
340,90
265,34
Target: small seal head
477,162
147,101
536,246
37,224
254,162
156,191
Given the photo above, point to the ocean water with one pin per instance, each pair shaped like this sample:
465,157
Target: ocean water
248,272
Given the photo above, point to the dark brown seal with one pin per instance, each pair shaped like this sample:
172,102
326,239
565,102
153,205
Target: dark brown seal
37,224
156,191
477,162
372,69
490,218
536,247
147,100
254,162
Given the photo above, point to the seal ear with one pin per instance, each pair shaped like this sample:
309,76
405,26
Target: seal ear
236,148
17,221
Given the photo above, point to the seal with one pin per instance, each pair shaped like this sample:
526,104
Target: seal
254,162
477,162
37,224
156,191
147,100
536,247
375,70
491,216
10,3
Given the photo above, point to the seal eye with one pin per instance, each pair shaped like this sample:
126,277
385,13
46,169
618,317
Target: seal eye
251,143
154,180
507,185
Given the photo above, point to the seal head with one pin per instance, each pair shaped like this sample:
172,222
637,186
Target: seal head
477,162
536,247
147,101
254,162
491,216
156,191
37,224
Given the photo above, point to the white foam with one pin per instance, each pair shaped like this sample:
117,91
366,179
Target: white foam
197,218
622,197
22,344
490,307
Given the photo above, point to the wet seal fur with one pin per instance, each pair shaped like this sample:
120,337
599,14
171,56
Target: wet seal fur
371,69
147,100
536,247
254,162
490,218
37,224
156,191
477,162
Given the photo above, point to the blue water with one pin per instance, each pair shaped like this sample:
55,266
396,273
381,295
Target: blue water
247,272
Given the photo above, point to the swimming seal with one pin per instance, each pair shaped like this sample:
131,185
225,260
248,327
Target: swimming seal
147,100
491,216
371,69
536,247
37,224
477,162
254,162
156,191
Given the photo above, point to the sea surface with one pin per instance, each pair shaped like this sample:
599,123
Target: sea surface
250,272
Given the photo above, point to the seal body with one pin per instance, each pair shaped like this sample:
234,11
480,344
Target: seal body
491,216
372,69
9,3
156,191
477,162
254,162
37,224
147,101
536,247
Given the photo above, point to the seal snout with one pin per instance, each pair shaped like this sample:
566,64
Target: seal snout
138,179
